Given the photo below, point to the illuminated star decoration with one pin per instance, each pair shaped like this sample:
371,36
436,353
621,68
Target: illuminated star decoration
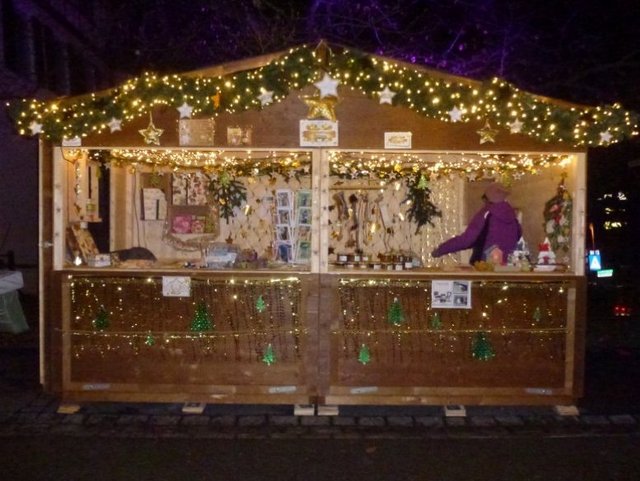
266,97
515,127
486,133
185,110
151,134
35,127
328,87
455,114
605,137
320,108
114,124
386,96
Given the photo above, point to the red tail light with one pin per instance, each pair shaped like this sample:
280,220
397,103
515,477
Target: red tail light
621,310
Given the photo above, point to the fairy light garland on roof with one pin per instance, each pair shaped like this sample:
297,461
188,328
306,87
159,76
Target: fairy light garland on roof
428,93
472,166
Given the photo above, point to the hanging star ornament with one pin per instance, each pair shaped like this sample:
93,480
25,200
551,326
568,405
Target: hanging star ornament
455,114
185,110
151,134
515,127
35,127
605,137
321,108
266,97
328,87
487,134
114,125
386,96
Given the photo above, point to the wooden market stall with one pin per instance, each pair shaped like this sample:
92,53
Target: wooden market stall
291,203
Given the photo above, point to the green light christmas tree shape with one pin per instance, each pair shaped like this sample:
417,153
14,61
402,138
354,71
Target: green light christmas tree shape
260,304
149,340
364,356
435,321
482,349
395,315
201,321
101,321
269,356
537,314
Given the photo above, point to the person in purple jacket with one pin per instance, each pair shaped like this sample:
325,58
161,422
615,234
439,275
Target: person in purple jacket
494,225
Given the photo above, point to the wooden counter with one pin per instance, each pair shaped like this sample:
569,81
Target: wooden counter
294,337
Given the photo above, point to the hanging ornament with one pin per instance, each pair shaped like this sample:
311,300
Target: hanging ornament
605,137
386,96
321,108
201,321
114,124
266,97
215,100
185,110
487,134
435,321
328,87
482,349
260,304
35,128
149,340
269,356
422,182
101,321
455,114
364,356
515,127
395,315
151,134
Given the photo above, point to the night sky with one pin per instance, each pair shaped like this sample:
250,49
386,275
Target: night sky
582,51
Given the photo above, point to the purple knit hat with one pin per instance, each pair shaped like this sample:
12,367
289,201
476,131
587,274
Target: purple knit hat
496,192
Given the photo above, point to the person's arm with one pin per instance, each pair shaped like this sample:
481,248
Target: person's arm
466,239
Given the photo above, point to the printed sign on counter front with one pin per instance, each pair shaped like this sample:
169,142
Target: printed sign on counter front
451,294
176,286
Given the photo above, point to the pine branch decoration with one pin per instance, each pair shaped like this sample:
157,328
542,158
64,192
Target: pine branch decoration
421,210
227,192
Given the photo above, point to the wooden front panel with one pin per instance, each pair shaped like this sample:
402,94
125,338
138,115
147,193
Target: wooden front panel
123,336
525,328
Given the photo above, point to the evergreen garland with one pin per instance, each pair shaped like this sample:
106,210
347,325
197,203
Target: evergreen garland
299,67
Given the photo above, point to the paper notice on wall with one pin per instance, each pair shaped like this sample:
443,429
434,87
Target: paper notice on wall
450,294
176,286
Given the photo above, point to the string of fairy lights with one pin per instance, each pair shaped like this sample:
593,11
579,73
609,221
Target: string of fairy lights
117,314
471,166
519,315
426,92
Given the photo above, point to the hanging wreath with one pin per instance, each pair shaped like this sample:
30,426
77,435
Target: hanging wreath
557,217
228,193
421,209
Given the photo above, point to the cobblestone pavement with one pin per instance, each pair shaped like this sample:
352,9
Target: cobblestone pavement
25,410
33,413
